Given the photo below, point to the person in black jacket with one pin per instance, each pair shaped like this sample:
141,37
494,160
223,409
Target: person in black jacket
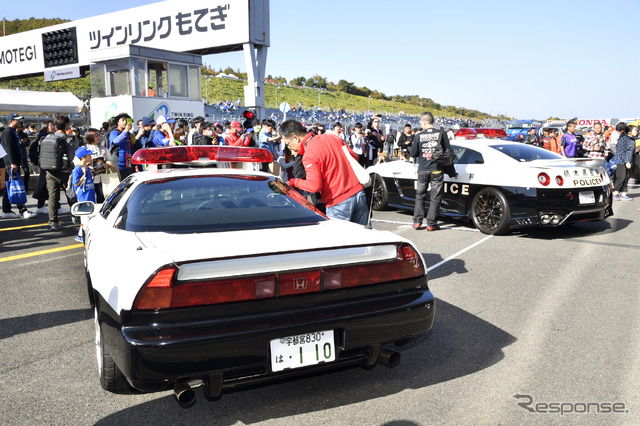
205,135
429,147
57,177
404,141
41,193
376,138
11,145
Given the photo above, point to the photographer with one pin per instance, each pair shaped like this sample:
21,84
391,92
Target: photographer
270,141
120,144
146,132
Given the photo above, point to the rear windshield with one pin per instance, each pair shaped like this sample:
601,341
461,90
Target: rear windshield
214,203
520,125
525,153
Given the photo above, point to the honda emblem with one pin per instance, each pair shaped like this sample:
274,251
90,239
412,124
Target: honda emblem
300,283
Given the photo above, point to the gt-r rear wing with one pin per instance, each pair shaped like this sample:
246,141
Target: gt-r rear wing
593,162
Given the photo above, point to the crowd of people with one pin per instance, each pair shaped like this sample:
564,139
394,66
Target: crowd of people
99,153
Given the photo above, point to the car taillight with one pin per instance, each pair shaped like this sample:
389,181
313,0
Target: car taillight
559,180
544,179
406,265
164,291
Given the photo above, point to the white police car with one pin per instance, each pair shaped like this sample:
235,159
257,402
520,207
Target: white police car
502,185
228,277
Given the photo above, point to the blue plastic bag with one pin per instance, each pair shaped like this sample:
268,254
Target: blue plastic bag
611,166
17,193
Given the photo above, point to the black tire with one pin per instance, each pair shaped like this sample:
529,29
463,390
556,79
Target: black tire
111,378
380,193
490,212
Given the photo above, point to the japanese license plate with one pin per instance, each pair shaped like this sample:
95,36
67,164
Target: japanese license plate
586,197
302,350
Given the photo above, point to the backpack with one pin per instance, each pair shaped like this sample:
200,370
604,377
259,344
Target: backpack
34,151
56,153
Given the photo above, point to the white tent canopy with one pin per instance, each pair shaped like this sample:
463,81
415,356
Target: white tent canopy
39,103
223,75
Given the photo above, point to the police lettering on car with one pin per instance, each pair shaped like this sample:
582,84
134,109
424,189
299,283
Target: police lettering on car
502,185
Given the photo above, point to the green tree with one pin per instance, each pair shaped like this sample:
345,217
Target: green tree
298,81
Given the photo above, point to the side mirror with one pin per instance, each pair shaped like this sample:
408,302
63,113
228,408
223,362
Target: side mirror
83,208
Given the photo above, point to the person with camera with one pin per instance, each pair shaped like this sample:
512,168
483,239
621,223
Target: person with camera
269,140
146,132
404,141
120,144
164,132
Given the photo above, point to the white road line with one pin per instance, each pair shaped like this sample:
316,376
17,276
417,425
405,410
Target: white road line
442,262
408,224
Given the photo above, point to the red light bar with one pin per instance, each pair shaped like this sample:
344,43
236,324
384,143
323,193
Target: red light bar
187,154
466,133
492,133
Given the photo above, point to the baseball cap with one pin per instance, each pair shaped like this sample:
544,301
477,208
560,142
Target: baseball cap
164,119
83,151
148,121
236,125
14,116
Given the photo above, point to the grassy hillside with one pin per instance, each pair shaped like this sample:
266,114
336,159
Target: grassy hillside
218,89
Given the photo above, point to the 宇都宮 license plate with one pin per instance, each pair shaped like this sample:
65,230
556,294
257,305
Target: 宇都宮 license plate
302,350
586,197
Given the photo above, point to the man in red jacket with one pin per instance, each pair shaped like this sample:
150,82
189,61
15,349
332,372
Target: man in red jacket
328,172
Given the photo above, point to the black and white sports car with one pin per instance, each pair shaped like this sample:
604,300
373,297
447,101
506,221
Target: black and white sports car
502,185
225,277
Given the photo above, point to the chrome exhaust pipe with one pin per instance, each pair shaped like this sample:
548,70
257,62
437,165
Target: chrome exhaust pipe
389,357
185,394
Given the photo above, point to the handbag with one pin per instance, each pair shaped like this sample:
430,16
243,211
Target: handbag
110,181
16,191
361,173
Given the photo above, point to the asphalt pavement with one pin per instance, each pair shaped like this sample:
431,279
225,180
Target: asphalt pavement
540,326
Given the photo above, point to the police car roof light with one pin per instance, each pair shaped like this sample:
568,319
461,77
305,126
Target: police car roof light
191,153
492,133
466,133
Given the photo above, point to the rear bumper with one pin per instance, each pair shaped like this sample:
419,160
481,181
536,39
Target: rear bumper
227,351
556,207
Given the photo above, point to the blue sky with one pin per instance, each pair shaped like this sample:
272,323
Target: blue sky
526,60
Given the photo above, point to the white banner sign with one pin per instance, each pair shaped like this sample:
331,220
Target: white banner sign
194,26
62,74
